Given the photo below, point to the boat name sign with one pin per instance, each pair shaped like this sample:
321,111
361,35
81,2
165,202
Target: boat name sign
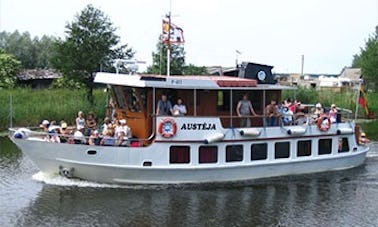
198,126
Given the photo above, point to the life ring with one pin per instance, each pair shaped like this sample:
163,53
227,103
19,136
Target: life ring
167,127
324,123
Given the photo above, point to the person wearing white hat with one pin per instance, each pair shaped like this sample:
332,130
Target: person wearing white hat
123,128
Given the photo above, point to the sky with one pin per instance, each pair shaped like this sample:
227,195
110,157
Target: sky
274,32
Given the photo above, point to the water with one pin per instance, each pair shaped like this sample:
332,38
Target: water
343,198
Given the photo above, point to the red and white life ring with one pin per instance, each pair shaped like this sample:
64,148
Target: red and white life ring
167,127
324,123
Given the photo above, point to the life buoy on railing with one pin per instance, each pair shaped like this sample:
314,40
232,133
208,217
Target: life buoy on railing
167,127
324,123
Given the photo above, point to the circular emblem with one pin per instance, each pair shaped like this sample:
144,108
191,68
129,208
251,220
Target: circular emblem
167,127
261,75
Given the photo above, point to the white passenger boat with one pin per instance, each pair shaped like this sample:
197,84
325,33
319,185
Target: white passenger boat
205,145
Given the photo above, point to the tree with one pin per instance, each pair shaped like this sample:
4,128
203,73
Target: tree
31,52
178,66
91,45
159,60
367,60
9,68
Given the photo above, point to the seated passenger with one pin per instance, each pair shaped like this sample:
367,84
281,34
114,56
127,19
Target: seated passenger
333,113
318,110
123,128
64,133
122,140
179,109
108,138
94,138
79,137
80,121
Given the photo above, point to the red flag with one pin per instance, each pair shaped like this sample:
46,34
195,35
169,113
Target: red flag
362,99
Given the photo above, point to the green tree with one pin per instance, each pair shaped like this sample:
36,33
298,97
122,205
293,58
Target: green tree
159,60
178,66
31,52
9,68
91,45
367,60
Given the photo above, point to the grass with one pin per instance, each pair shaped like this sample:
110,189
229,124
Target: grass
30,106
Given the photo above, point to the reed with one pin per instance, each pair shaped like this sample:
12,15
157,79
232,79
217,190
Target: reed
31,106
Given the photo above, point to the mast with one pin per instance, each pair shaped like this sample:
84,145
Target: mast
169,44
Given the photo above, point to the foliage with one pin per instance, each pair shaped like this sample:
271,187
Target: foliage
30,107
367,60
9,68
159,60
31,52
65,82
194,70
91,45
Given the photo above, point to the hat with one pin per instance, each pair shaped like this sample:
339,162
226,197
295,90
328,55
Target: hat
318,105
45,122
123,121
333,106
63,125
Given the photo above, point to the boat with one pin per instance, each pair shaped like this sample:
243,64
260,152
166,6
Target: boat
207,144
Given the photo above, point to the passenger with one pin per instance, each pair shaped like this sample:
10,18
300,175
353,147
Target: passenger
300,117
292,106
108,138
318,110
79,137
122,139
64,133
287,116
94,138
90,124
45,125
80,121
244,109
333,113
271,111
123,128
164,106
179,109
105,124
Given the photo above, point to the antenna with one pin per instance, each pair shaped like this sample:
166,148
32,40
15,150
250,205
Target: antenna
130,64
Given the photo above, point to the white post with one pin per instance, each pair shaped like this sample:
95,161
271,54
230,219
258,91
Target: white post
357,98
169,60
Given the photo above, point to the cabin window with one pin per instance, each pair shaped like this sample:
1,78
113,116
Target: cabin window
208,154
325,146
223,100
304,148
234,153
259,151
343,145
179,154
119,95
282,150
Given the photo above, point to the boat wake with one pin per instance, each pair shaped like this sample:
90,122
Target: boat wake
56,179
373,150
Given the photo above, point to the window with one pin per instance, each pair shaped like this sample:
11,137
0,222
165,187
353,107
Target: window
282,150
208,154
179,154
325,146
234,153
223,100
259,151
343,145
304,148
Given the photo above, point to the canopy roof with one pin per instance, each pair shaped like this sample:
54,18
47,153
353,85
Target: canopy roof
183,82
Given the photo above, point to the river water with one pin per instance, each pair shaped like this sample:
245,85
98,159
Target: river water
340,198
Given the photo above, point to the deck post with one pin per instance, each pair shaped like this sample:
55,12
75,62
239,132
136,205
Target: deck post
195,102
263,108
231,101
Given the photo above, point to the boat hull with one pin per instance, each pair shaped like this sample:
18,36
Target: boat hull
108,168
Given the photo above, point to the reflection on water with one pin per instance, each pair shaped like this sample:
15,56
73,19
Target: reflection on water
344,198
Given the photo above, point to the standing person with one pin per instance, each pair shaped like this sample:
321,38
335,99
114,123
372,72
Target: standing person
179,109
244,109
90,123
333,113
80,121
164,106
271,112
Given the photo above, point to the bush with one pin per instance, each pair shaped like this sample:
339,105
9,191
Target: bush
30,107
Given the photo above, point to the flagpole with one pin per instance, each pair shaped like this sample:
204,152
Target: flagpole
169,45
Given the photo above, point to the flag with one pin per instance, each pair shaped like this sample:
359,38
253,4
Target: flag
362,100
171,33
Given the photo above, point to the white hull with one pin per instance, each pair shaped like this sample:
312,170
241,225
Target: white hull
125,164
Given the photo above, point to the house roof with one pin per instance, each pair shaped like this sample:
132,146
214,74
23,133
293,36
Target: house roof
353,74
38,74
